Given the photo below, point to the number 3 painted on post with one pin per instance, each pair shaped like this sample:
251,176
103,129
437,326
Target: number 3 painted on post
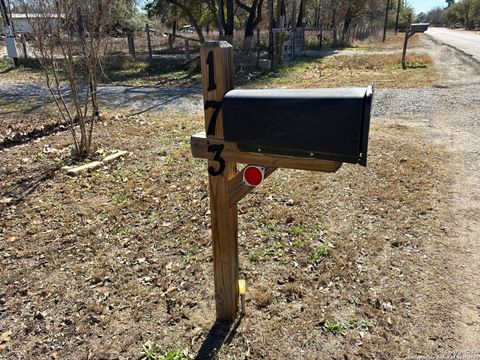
217,149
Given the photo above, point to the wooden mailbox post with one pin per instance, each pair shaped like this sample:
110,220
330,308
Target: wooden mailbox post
226,183
411,30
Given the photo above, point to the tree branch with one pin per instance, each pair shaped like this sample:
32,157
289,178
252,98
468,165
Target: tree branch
243,6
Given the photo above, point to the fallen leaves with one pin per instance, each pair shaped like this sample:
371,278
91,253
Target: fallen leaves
4,339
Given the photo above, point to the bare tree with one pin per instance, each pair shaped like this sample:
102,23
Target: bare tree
69,39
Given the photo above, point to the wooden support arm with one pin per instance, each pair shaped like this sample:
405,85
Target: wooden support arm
237,190
199,144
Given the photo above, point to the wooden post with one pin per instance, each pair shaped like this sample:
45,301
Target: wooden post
24,46
405,43
217,78
187,50
171,39
131,46
149,43
404,55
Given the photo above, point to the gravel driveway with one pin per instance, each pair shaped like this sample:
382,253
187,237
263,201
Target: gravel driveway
134,97
448,115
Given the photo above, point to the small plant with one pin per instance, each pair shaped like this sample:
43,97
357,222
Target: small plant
254,255
367,325
175,354
150,351
353,301
298,230
319,253
273,225
276,250
336,327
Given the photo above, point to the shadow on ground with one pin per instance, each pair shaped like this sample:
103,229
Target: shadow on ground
221,333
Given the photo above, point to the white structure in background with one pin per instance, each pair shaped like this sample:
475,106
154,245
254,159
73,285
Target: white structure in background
22,23
10,42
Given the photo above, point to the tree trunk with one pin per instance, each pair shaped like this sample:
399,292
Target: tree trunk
346,26
270,27
254,17
301,14
192,19
230,21
334,24
220,20
399,4
281,14
386,21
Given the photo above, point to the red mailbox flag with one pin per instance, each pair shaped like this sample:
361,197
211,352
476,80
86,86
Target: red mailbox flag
253,175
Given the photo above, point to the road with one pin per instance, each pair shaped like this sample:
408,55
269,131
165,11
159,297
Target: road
468,43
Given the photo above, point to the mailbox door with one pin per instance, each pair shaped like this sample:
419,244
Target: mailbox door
329,124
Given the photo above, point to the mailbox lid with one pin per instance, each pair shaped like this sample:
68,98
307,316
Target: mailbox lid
328,124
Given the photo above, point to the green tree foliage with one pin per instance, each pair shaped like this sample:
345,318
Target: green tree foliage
128,17
466,12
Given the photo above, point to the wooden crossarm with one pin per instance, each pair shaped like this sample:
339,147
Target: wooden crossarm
237,190
199,144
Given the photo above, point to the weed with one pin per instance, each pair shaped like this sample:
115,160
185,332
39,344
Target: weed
175,354
319,253
150,351
273,225
121,199
367,325
336,327
298,243
254,255
123,231
298,229
353,301
276,250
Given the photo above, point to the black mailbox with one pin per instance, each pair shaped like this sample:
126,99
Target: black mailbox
330,124
419,28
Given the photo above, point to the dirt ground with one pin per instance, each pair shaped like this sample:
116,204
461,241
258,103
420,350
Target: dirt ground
367,263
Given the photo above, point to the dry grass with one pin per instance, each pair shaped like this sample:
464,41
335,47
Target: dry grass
393,42
97,265
382,70
167,70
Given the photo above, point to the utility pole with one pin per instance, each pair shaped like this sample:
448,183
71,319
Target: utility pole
399,5
386,21
8,31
